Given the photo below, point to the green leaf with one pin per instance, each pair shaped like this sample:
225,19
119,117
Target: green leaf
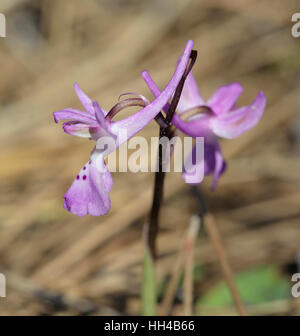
256,286
149,292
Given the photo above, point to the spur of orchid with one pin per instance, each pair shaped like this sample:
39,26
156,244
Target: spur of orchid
218,117
89,193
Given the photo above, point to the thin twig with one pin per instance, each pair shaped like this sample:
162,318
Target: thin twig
170,293
183,254
189,265
212,230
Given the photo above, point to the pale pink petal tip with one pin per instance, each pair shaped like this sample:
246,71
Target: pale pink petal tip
236,122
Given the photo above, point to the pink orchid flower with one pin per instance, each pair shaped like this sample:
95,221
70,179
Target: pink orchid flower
218,117
89,193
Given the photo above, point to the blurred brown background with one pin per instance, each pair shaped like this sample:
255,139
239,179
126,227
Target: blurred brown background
56,263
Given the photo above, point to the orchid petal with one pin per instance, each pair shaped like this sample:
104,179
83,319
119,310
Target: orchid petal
74,115
79,129
104,129
140,119
89,193
213,160
190,96
224,98
197,127
153,88
213,163
85,100
193,172
237,122
99,114
220,166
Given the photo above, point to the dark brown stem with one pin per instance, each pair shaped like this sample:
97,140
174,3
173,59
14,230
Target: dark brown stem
158,193
166,130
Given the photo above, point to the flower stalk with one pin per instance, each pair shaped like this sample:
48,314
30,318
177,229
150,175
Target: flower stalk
166,130
151,227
